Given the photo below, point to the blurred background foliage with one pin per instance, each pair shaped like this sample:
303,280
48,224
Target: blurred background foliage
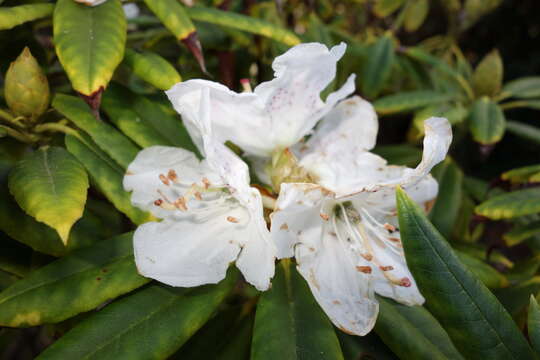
83,93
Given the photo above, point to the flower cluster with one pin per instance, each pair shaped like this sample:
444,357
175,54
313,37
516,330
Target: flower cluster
334,207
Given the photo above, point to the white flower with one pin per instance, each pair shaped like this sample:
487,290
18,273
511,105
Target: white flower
91,2
278,113
211,215
343,231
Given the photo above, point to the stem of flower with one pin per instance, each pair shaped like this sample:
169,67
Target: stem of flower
57,127
18,135
11,119
513,104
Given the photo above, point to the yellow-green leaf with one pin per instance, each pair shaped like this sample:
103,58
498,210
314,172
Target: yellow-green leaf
511,205
152,68
522,175
173,15
17,15
406,101
50,185
245,23
384,8
415,14
488,75
486,121
90,42
524,131
533,324
524,88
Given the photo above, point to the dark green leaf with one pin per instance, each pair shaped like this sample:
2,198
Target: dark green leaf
144,121
406,101
90,42
415,14
383,8
485,273
525,131
378,66
406,155
523,174
150,324
364,347
107,175
289,324
445,211
76,283
476,322
105,136
418,336
521,233
533,324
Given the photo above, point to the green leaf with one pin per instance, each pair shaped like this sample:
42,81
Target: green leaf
383,8
152,68
485,273
106,137
488,75
418,336
447,206
90,42
378,66
415,14
406,101
243,22
144,121
74,284
173,15
515,298
524,88
518,234
25,229
364,347
455,113
150,324
511,205
15,258
289,324
404,154
50,185
17,15
525,131
522,174
486,121
107,176
533,324
476,322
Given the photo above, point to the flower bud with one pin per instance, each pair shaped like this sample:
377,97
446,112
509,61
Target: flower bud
26,87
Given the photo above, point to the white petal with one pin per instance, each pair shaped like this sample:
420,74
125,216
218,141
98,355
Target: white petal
279,112
436,143
297,215
188,253
344,293
91,2
149,178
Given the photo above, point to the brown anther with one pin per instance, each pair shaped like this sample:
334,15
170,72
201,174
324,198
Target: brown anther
336,302
405,282
396,240
284,226
368,257
389,227
158,202
386,268
206,183
364,269
164,179
172,175
325,217
180,204
232,219
198,195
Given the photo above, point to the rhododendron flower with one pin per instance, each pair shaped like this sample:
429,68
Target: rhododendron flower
343,230
210,214
278,113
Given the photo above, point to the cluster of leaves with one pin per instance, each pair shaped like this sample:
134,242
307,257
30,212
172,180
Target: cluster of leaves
67,274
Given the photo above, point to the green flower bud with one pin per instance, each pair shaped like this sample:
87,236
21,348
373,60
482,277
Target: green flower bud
26,87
